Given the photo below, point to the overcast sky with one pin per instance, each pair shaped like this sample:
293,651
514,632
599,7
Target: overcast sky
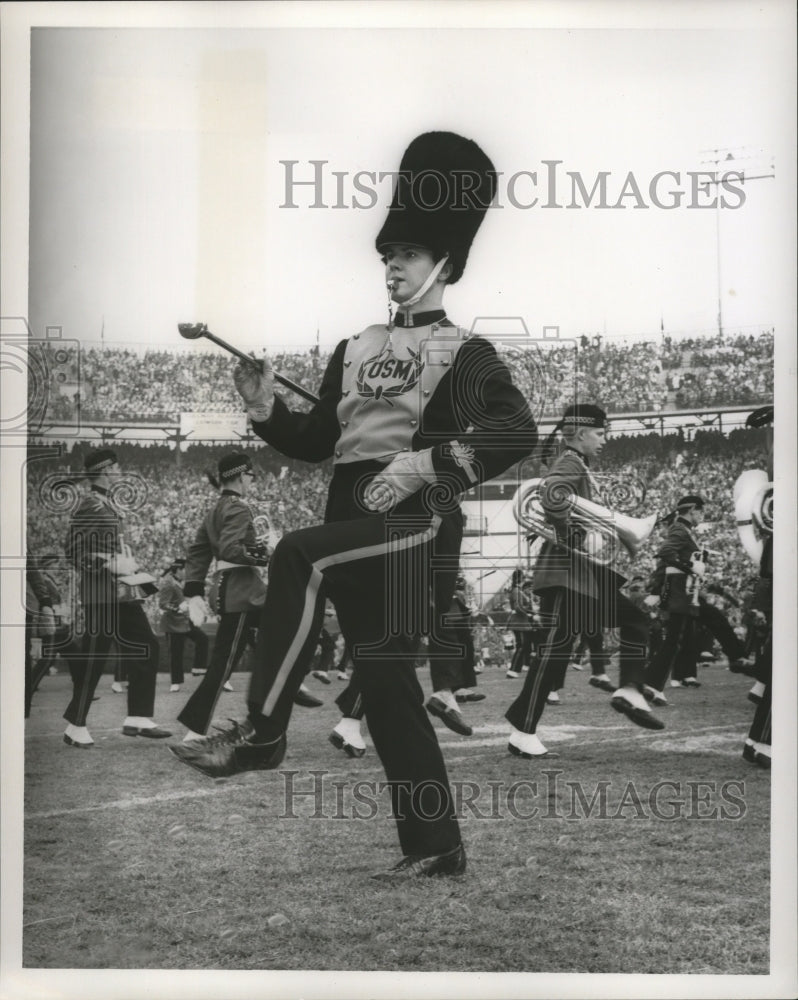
158,193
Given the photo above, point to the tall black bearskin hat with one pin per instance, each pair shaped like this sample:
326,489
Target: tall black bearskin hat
444,187
761,417
100,459
689,502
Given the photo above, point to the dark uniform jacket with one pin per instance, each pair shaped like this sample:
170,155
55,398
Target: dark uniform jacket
428,386
669,579
226,534
560,563
521,609
170,597
94,534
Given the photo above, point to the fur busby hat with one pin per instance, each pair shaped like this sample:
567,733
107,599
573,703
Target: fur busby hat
761,417
100,459
444,187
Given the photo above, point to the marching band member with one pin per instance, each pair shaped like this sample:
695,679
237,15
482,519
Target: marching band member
674,589
178,627
227,535
577,593
112,610
414,413
756,749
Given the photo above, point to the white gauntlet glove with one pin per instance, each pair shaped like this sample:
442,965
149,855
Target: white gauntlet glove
698,568
256,388
198,610
652,601
122,565
406,474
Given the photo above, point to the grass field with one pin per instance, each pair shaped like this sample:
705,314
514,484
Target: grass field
134,861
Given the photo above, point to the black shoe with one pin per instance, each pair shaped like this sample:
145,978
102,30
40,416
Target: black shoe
74,743
640,716
221,760
450,717
749,753
691,682
321,675
153,733
548,755
451,863
604,685
742,665
307,700
755,699
471,696
340,744
762,760
198,673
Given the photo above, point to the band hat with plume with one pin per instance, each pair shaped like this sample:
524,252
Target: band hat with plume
444,187
575,416
761,417
99,459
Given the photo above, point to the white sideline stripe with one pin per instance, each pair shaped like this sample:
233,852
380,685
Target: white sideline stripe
221,789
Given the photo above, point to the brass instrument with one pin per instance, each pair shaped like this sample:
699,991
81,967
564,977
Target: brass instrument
753,510
606,528
138,585
693,585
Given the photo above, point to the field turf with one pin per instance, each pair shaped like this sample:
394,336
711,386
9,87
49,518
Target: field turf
633,852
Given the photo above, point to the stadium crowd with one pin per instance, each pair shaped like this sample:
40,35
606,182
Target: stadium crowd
157,386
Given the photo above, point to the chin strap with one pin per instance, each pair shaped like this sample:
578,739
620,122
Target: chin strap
431,279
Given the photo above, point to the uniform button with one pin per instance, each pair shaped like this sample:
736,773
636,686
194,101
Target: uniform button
338,454
426,392
446,361
405,449
344,423
356,337
347,364
346,392
413,423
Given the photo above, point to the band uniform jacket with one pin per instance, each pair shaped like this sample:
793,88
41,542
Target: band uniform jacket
93,537
170,597
226,534
670,578
561,563
521,609
387,392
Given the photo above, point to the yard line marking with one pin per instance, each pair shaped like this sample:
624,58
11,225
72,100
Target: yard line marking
199,793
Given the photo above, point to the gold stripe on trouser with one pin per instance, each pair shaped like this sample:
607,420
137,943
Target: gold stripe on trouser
242,617
312,591
767,728
676,646
543,661
358,705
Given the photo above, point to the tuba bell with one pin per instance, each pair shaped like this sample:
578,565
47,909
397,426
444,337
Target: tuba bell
608,528
753,510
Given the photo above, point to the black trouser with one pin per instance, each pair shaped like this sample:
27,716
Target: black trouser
231,641
523,649
376,571
126,625
568,614
678,645
447,652
761,727
463,636
176,642
714,620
